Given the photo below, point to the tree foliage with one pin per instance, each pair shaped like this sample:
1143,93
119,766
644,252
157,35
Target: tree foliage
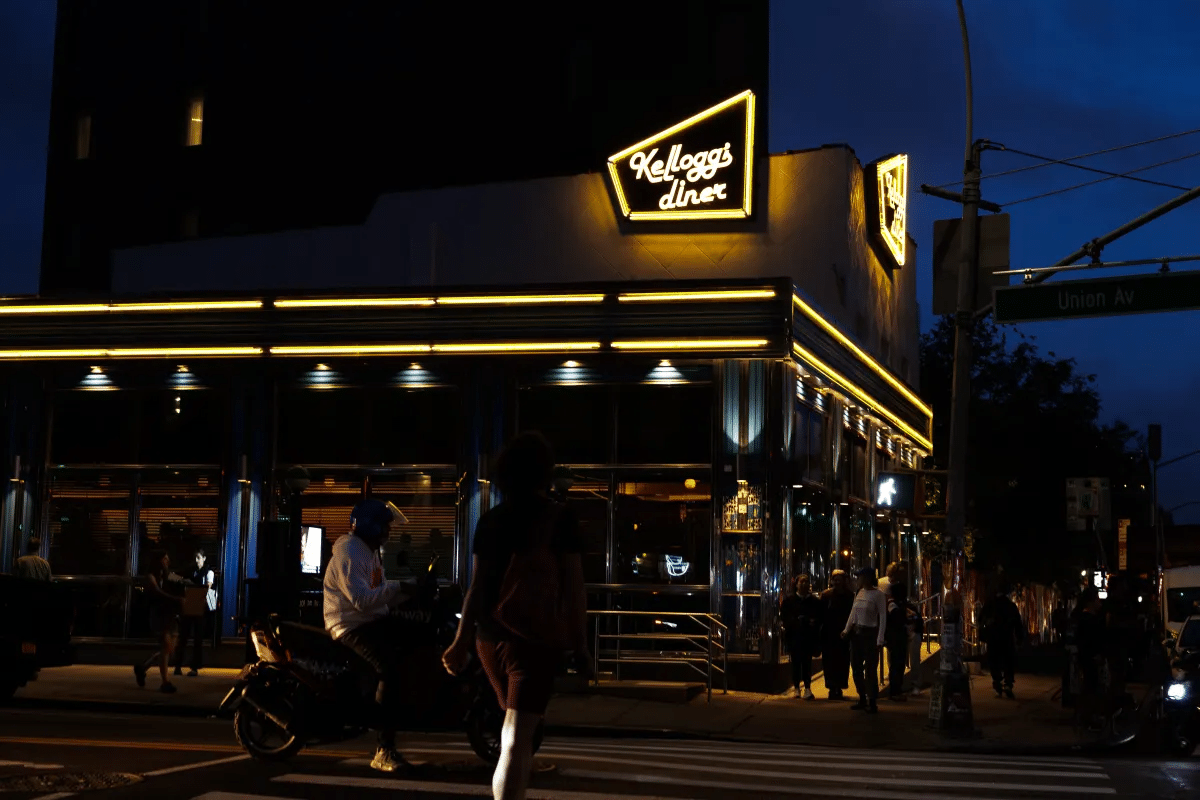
1034,422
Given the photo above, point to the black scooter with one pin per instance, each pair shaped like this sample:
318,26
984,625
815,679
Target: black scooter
307,689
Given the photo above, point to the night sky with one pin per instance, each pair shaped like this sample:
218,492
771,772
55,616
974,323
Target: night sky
1053,77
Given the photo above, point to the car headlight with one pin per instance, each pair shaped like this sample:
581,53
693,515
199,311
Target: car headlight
1177,691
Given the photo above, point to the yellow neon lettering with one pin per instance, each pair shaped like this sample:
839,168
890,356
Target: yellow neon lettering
719,190
707,195
639,164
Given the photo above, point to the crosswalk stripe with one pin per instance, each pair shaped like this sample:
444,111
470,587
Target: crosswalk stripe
913,781
839,754
948,765
198,765
794,789
433,787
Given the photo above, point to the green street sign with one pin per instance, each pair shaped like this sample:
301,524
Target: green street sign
1098,297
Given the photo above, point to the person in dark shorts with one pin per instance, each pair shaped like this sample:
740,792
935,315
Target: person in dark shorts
520,669
193,627
164,593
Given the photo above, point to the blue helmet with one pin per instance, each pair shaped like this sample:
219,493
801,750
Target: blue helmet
370,517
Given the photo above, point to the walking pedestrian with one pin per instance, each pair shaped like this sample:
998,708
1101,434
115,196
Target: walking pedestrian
162,587
528,601
866,629
1003,632
193,627
800,613
836,601
31,565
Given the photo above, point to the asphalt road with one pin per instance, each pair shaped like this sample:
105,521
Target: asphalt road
197,759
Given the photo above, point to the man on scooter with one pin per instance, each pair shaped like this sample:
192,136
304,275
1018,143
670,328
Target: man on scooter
356,606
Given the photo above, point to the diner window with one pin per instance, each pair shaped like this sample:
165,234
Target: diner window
88,518
428,500
815,442
178,512
664,424
663,527
577,420
195,122
812,536
83,136
589,500
859,465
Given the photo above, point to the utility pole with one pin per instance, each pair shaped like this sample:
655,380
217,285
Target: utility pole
956,716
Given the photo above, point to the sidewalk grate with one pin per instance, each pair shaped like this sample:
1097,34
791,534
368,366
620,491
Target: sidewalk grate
55,782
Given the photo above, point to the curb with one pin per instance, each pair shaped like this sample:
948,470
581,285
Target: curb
580,731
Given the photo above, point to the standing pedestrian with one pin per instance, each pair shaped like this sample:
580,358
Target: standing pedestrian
801,614
866,629
31,565
1003,632
897,628
165,604
527,598
836,602
193,627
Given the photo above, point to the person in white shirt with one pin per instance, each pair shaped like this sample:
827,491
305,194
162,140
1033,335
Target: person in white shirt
865,629
357,614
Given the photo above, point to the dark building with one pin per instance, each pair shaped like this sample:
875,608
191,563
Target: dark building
198,118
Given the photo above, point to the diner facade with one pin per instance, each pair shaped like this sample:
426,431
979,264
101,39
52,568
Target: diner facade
722,392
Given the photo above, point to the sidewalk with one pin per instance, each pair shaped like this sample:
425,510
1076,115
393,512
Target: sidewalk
1033,722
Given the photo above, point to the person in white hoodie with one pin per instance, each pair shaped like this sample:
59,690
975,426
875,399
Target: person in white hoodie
357,614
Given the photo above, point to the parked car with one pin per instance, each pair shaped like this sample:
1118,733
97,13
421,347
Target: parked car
36,618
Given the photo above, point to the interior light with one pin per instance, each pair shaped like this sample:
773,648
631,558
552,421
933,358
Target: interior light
720,294
690,344
181,368
571,364
414,365
322,367
97,370
690,483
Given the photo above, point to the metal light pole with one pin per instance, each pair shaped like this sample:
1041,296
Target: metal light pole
953,682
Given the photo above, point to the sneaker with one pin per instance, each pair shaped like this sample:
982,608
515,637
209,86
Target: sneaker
167,688
178,671
872,709
861,705
1009,694
388,760
139,674
835,694
192,673
808,695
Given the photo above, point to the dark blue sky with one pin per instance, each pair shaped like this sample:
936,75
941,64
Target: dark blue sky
1053,77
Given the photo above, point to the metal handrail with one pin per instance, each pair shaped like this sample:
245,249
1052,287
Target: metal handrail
931,612
707,644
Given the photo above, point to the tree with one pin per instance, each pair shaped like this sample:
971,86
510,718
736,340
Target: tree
1034,422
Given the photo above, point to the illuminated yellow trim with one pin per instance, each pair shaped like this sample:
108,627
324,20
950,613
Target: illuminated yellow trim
515,347
95,308
748,170
134,352
720,294
518,299
862,396
898,248
875,366
349,349
345,302
690,344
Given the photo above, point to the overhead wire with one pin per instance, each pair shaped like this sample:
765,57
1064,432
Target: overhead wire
1110,177
1067,161
1110,173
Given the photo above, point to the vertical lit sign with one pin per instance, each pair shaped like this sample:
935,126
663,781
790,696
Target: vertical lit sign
892,178
701,168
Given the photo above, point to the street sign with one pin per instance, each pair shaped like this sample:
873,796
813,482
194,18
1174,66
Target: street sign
1099,297
947,255
1088,498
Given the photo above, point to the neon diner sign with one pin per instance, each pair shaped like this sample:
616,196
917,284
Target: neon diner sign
701,168
892,178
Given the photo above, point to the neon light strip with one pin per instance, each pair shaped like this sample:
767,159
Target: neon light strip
485,300
875,366
749,188
721,294
97,308
690,344
703,115
515,347
862,396
146,352
340,302
409,348
735,213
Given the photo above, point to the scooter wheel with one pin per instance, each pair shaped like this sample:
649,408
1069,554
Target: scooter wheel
261,738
